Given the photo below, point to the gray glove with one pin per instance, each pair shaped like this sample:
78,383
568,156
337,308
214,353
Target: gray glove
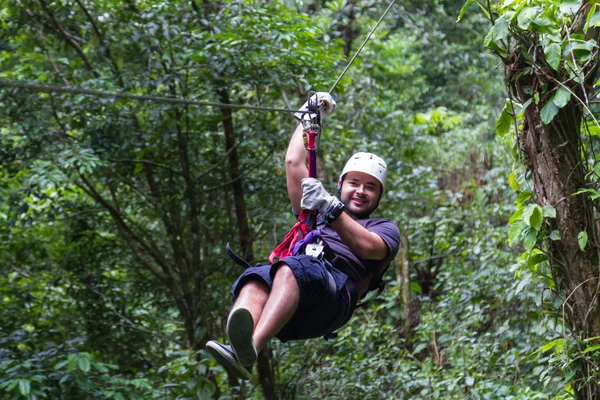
315,197
326,103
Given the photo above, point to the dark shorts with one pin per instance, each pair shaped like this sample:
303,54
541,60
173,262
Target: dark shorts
324,302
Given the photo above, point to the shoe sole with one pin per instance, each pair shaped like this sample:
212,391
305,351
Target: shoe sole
240,326
226,362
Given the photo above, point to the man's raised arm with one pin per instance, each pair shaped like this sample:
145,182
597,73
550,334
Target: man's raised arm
295,157
295,168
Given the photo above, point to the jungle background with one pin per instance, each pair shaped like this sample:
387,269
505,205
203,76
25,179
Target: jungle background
114,213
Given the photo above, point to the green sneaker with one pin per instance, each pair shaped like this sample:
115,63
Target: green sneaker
240,326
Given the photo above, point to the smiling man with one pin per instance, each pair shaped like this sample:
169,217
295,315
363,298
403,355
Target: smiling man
303,296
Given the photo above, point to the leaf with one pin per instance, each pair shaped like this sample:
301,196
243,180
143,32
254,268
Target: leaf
13,384
512,181
72,363
498,32
530,239
553,55
536,259
83,363
561,97
60,365
463,9
549,211
503,123
521,285
518,214
592,18
525,17
558,343
549,111
536,218
24,387
484,10
569,7
582,240
489,44
415,288
594,194
555,235
592,348
514,230
532,215
523,197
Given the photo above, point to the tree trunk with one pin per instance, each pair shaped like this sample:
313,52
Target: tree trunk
402,266
554,156
237,183
265,372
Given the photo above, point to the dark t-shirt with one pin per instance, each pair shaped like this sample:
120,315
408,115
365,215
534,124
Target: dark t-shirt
359,270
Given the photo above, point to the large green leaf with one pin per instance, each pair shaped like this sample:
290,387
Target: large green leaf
549,211
532,215
582,239
83,363
498,32
549,111
24,387
518,214
513,182
561,97
523,197
569,7
593,193
526,16
514,231
530,238
553,54
503,123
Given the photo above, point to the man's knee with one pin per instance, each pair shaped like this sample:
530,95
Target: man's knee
255,286
285,272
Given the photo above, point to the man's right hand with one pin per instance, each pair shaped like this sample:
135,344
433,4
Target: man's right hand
326,102
315,197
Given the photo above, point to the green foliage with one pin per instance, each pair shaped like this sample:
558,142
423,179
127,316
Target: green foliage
93,190
546,51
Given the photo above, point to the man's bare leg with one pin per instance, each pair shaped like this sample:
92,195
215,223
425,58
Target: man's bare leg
252,297
279,307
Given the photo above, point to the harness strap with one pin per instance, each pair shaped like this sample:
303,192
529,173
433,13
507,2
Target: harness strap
237,259
298,231
377,284
352,294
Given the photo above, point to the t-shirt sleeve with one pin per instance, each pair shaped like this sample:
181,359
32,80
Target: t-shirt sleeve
389,232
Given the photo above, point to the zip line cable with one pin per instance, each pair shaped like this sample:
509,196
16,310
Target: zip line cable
34,87
361,46
129,96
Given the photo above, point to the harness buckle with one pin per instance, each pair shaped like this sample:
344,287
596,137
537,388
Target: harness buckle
316,250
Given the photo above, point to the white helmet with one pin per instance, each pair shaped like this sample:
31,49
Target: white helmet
368,163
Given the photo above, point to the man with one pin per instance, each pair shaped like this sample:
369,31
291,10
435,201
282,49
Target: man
302,296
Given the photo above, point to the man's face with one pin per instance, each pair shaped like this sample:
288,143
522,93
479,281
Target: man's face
360,193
